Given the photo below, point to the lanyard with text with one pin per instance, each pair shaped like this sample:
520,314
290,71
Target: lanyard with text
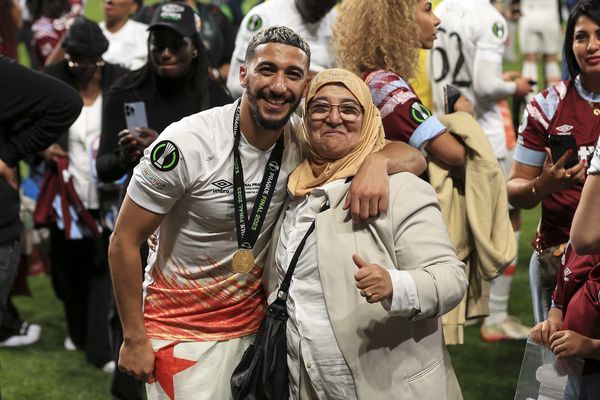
247,229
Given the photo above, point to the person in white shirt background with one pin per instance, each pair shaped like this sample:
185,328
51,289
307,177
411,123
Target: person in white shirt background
540,38
311,19
468,54
127,38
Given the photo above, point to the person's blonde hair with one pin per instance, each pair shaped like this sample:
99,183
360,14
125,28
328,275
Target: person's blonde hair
377,34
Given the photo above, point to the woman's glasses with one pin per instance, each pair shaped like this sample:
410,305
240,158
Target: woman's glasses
320,110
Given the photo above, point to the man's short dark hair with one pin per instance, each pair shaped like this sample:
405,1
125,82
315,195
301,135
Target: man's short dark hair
276,34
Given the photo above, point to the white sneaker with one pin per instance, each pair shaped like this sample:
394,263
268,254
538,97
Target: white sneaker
109,367
510,329
69,345
28,334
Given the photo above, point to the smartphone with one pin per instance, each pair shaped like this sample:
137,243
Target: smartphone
135,116
559,145
451,95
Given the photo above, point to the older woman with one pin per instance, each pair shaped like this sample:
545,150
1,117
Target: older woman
366,298
570,108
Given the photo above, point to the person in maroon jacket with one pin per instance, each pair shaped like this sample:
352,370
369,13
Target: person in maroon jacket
572,328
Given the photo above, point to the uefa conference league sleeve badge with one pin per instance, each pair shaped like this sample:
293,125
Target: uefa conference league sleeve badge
165,156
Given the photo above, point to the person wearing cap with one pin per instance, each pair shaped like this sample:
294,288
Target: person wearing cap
79,265
172,84
216,31
126,37
203,299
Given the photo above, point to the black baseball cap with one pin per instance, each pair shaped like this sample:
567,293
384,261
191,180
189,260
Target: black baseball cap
176,16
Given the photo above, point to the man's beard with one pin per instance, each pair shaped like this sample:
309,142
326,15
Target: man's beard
314,11
265,123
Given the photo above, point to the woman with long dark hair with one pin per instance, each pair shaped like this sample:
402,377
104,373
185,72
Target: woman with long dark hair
569,110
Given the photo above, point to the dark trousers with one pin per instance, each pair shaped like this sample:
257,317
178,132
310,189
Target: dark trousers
81,279
9,262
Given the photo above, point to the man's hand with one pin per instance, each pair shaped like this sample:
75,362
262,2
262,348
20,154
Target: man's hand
136,358
571,344
368,194
523,88
373,281
9,174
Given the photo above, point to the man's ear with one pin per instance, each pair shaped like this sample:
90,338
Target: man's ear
243,76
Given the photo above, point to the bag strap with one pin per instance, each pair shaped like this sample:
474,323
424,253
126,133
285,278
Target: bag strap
73,200
284,288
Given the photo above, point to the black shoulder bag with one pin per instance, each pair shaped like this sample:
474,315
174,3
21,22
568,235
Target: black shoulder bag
262,373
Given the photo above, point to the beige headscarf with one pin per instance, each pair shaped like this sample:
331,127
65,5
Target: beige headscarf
316,171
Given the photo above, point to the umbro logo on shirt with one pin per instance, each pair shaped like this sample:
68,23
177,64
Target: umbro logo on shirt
223,186
564,129
566,273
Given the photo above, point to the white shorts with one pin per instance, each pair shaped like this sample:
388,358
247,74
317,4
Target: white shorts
539,32
195,370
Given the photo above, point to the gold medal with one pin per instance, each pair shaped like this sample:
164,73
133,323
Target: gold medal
596,111
243,261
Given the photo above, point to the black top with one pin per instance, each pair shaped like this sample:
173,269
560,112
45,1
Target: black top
169,102
217,33
110,74
34,110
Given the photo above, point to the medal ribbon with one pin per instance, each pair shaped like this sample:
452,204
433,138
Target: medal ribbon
247,230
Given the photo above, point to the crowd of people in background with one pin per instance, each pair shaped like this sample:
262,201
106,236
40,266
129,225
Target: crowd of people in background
181,153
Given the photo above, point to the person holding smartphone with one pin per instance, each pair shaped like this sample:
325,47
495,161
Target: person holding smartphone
541,172
173,84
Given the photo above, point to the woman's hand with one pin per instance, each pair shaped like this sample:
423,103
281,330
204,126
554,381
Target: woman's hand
373,281
146,137
572,344
542,332
556,177
129,151
53,153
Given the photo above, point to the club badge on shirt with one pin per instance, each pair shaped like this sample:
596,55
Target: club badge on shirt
498,30
419,113
165,156
254,23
